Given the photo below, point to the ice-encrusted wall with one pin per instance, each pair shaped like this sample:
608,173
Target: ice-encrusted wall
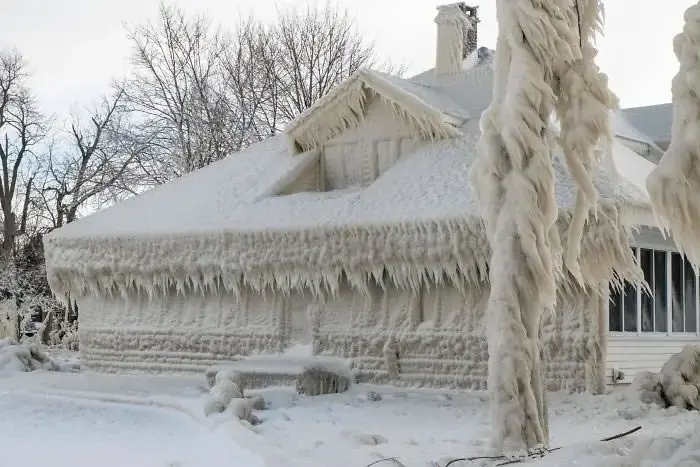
436,338
178,333
433,337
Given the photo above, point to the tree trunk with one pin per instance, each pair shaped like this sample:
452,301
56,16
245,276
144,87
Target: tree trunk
516,375
8,237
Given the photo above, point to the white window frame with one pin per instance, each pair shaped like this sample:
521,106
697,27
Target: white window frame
638,246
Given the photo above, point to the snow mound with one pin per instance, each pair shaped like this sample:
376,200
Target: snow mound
25,358
676,385
226,395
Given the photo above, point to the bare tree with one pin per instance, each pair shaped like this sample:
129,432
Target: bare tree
276,72
318,48
22,129
200,94
172,88
95,164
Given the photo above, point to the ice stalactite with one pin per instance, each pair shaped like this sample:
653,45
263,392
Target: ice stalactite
674,186
514,181
584,102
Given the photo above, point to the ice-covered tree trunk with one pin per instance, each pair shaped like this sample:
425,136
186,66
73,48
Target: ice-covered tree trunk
674,186
539,57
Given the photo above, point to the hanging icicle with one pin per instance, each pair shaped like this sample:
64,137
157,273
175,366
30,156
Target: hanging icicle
583,108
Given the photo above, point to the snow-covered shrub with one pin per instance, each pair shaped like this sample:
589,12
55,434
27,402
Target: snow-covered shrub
25,358
28,309
319,380
258,402
226,395
676,385
242,409
234,376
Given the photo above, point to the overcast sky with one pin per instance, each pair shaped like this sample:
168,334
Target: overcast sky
75,47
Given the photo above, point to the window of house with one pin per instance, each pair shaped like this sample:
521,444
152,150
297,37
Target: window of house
668,305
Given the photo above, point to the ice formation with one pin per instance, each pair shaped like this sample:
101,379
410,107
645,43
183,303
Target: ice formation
541,65
674,186
374,228
584,104
677,384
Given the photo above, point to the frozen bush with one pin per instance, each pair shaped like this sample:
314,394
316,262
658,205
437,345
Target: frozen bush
25,358
258,402
243,409
234,376
676,385
319,380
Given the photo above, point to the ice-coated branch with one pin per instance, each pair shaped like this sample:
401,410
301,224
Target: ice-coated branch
583,108
674,186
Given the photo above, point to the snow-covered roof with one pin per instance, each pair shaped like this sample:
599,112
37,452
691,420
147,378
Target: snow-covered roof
224,226
653,120
229,225
472,90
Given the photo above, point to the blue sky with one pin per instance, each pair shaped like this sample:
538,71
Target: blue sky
75,47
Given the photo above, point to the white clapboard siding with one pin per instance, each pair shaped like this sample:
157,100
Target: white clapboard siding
633,354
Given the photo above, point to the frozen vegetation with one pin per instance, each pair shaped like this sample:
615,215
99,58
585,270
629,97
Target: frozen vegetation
28,357
677,384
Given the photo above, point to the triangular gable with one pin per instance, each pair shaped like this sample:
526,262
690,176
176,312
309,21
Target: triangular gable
344,107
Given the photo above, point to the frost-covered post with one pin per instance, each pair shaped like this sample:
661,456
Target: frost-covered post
542,65
674,186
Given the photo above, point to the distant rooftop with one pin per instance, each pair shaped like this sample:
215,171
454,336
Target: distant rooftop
652,120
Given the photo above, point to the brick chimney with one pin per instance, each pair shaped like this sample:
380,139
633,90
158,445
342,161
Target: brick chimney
456,36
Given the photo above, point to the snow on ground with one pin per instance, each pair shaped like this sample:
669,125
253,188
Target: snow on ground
77,420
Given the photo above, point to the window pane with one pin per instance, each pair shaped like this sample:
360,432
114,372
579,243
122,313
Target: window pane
630,307
615,309
660,312
647,265
677,320
690,296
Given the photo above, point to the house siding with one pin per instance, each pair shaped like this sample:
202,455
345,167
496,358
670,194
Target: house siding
632,353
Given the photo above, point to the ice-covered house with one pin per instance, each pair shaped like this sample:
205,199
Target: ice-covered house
355,232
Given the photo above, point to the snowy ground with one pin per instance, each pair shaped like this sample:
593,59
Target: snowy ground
70,419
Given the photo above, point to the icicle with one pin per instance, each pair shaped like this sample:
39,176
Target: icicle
583,107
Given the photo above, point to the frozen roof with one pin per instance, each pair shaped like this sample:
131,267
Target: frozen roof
472,90
653,120
226,224
239,194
